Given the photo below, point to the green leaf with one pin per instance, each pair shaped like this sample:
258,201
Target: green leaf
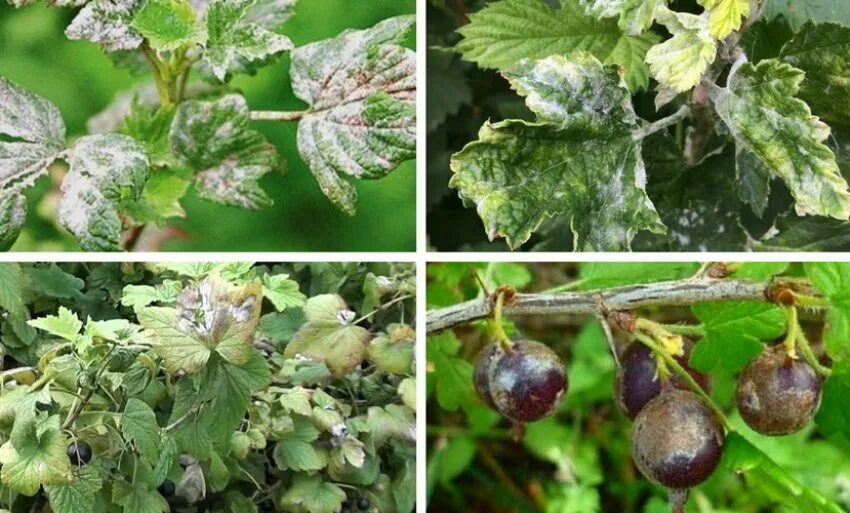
38,134
833,280
11,288
215,317
138,296
600,275
168,24
760,271
456,458
107,23
579,159
407,392
763,474
799,12
232,38
832,415
214,138
361,89
823,53
393,351
296,451
328,336
105,172
725,16
806,234
450,376
733,333
138,498
36,457
282,292
508,31
52,281
139,426
80,495
680,62
392,422
64,325
763,115
311,494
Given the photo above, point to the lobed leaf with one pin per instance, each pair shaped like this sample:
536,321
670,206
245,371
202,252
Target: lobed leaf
680,62
168,24
214,138
78,496
833,280
361,89
311,494
725,16
106,171
107,23
35,457
800,12
581,161
139,426
766,119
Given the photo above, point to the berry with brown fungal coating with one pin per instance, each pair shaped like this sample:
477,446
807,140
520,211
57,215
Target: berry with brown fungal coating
527,381
677,441
481,376
776,394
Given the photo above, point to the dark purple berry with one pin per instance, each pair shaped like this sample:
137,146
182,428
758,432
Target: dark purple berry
79,453
776,394
677,441
167,488
527,381
481,378
363,504
267,506
637,381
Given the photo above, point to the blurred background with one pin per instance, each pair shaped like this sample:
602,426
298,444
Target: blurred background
82,81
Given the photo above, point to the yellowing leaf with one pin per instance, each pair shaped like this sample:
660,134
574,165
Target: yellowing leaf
725,15
680,62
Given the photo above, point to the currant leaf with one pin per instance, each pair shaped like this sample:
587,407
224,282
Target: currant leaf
214,138
800,12
232,38
80,494
168,24
725,16
680,62
507,31
311,494
760,108
107,23
35,457
139,426
637,16
579,159
361,89
106,170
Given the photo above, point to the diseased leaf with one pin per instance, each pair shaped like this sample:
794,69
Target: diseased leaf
107,22
361,89
214,139
13,213
636,16
232,38
579,159
792,233
296,449
137,296
753,180
679,62
823,53
65,324
168,24
106,170
763,115
799,12
79,495
508,31
725,16
311,494
36,457
328,336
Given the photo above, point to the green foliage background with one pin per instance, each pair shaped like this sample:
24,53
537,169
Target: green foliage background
81,81
578,460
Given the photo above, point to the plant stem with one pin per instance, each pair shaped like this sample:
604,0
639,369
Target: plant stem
271,115
382,307
690,330
78,406
498,328
792,327
12,372
682,373
662,123
809,355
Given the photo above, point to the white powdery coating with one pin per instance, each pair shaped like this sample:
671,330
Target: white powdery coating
107,22
602,8
29,117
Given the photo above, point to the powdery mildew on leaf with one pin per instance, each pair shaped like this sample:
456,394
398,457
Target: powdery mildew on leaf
636,16
214,138
680,62
269,14
107,22
361,88
725,16
232,37
763,115
38,137
168,24
105,171
823,53
602,8
507,31
582,162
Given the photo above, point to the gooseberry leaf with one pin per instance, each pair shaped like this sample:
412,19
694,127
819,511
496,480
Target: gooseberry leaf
579,159
35,457
725,16
214,317
106,171
328,336
137,296
65,324
823,53
833,280
311,494
799,12
37,135
139,426
361,89
508,31
733,333
168,24
80,494
637,16
679,62
231,38
107,23
451,376
759,107
138,498
214,138
282,291
296,451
